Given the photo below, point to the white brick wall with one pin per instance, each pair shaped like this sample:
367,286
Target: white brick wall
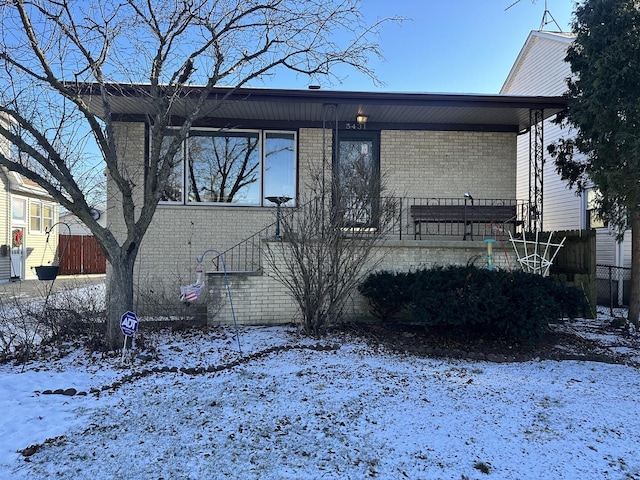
447,164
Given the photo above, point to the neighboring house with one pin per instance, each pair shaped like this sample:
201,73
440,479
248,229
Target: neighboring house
76,226
541,69
27,214
430,148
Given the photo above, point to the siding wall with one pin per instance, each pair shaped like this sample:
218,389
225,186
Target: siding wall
5,228
39,252
541,70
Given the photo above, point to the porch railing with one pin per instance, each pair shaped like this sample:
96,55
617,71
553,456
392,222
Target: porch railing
413,218
421,218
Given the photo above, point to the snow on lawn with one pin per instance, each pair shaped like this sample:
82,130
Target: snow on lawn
350,411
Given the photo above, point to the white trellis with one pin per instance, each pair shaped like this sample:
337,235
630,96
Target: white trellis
537,256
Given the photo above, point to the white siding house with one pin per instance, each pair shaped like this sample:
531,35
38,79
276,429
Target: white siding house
76,226
27,215
541,69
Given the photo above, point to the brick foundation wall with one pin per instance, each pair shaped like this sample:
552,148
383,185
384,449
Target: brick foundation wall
259,299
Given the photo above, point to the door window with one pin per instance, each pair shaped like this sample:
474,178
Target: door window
358,179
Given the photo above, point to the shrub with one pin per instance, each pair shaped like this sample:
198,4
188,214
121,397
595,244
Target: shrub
474,301
388,293
510,304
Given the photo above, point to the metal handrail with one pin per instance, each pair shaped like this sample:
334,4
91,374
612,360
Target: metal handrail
246,255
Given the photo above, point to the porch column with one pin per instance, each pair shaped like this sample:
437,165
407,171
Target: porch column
536,169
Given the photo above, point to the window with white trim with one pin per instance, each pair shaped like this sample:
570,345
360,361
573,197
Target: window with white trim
35,217
593,219
47,217
40,216
239,167
19,210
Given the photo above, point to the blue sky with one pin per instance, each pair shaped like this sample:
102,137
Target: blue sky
448,46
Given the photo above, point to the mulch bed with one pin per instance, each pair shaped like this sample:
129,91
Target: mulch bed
415,340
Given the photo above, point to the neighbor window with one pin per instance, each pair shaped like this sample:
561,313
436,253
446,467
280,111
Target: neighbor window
19,210
238,167
36,217
593,219
47,217
41,217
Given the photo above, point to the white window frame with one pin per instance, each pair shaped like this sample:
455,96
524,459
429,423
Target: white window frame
42,219
33,217
25,203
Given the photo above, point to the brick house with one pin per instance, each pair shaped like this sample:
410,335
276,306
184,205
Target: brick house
430,148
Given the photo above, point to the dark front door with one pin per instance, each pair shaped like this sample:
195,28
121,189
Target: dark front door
357,179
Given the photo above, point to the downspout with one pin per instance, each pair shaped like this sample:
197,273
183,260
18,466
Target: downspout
8,222
7,238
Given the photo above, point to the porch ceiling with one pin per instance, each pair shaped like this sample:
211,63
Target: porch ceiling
317,107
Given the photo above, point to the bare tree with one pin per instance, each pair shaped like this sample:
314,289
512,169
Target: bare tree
330,243
54,52
228,165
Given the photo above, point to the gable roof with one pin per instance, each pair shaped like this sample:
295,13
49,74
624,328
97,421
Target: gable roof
253,107
23,186
552,47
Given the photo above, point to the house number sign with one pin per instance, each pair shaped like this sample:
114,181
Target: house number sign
355,126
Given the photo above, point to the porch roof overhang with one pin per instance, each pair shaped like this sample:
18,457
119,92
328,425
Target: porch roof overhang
276,108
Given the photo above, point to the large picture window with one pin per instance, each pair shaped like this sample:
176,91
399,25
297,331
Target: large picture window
233,167
279,164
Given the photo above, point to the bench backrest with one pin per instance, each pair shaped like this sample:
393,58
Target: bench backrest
457,213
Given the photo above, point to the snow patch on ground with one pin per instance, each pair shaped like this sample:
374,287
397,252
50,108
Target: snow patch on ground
349,412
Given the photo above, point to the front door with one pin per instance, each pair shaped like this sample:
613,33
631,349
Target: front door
357,182
17,253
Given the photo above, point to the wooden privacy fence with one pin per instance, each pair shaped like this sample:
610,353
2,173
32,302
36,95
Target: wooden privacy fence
83,255
575,263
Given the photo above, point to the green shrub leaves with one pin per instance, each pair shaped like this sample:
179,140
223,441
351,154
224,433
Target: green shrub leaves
477,301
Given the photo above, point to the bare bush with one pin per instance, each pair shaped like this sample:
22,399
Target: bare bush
328,245
28,321
158,301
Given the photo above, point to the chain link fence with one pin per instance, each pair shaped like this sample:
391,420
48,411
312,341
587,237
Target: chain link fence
612,284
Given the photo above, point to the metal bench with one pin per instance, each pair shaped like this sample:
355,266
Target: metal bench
461,214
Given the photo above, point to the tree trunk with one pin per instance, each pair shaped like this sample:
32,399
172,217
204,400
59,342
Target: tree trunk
634,294
119,299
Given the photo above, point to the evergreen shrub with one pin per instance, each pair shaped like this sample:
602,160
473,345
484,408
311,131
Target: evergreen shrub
475,301
388,293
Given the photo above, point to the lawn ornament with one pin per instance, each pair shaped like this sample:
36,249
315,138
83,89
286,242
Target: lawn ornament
191,293
532,257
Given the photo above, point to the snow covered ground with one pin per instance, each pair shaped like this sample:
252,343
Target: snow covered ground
337,409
